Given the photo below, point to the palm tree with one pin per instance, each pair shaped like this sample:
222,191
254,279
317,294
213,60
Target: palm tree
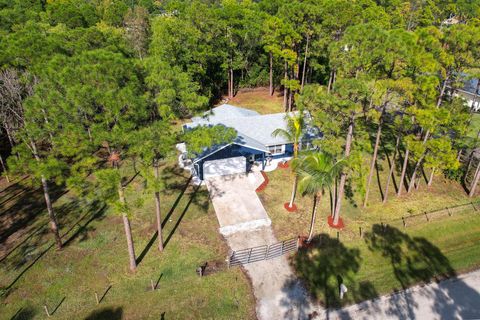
316,171
293,132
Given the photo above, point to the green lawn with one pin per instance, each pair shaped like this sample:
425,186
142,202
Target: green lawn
96,258
474,125
382,261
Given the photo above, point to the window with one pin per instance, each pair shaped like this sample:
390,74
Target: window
277,149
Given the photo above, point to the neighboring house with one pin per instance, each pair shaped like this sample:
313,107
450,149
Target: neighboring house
254,145
471,93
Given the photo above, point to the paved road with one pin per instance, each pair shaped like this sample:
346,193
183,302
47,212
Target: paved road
456,298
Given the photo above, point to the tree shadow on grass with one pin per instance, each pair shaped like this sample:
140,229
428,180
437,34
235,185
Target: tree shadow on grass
24,313
32,251
326,262
414,260
17,215
108,313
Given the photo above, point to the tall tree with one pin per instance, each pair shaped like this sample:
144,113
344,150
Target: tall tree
294,132
317,172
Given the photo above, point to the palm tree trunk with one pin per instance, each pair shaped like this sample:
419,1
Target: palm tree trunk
271,74
305,63
316,199
374,160
343,176
128,231
334,197
392,169
404,171
294,191
158,214
331,79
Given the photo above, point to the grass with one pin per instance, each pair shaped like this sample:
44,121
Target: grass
474,125
380,262
259,100
96,258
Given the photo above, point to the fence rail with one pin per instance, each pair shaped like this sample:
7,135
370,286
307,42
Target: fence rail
260,253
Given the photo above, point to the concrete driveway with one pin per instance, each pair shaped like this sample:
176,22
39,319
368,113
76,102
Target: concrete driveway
245,224
236,203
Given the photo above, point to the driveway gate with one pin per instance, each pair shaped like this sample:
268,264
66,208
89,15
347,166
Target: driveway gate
260,253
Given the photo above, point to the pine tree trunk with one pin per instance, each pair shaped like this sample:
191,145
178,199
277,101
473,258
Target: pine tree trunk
374,160
158,214
271,74
473,186
128,232
330,80
417,165
392,169
404,171
314,215
430,180
51,214
232,90
343,176
442,92
305,63
48,202
290,100
285,87
4,169
414,174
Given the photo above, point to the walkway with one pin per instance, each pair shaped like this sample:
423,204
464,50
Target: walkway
456,298
245,223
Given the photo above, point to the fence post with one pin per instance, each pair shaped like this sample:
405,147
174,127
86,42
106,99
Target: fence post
426,216
298,242
404,222
151,283
474,208
266,252
281,252
46,311
249,255
448,210
361,232
96,297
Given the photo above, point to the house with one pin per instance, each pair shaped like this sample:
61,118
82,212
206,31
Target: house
471,93
254,146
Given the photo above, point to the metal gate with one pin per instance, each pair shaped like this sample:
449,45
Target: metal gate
260,253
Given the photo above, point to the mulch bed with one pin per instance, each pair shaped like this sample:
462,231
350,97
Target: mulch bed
340,224
283,165
264,183
287,207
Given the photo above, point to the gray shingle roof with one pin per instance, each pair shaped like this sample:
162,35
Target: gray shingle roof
252,128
